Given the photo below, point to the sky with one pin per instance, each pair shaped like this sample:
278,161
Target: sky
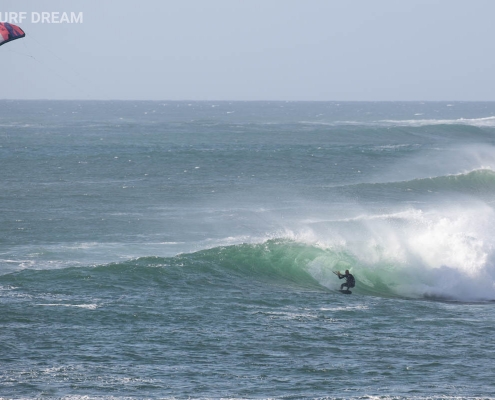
308,50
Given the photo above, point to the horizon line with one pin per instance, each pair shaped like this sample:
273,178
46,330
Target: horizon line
267,101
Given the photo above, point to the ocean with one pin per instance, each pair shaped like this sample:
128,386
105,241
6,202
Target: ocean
173,250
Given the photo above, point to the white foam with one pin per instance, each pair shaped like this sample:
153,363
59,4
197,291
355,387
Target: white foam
345,308
479,122
86,306
446,252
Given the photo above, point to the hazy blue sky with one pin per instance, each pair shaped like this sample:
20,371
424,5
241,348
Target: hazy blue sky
254,50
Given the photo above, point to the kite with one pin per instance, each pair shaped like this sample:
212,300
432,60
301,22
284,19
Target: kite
9,32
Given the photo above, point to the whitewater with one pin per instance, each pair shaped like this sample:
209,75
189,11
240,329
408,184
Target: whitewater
187,249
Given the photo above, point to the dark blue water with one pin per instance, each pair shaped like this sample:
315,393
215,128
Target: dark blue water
187,250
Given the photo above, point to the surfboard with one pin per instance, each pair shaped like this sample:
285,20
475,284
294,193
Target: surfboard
345,291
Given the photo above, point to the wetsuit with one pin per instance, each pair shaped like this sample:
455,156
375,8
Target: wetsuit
350,281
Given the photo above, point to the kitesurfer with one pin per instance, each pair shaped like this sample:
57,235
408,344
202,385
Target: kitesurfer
350,282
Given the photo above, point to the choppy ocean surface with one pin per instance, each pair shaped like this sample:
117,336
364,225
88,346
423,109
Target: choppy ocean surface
186,249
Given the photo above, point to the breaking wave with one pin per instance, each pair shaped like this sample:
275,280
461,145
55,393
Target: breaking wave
436,261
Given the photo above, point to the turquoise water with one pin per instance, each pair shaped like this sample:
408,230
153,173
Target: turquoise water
186,250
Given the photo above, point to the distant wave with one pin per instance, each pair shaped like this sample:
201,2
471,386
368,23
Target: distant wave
478,122
486,122
474,182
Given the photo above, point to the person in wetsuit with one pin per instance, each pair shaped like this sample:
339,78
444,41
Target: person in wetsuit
350,282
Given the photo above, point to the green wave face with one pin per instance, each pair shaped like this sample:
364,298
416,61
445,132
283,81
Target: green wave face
381,271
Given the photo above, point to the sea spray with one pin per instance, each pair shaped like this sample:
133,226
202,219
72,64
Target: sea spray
445,253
